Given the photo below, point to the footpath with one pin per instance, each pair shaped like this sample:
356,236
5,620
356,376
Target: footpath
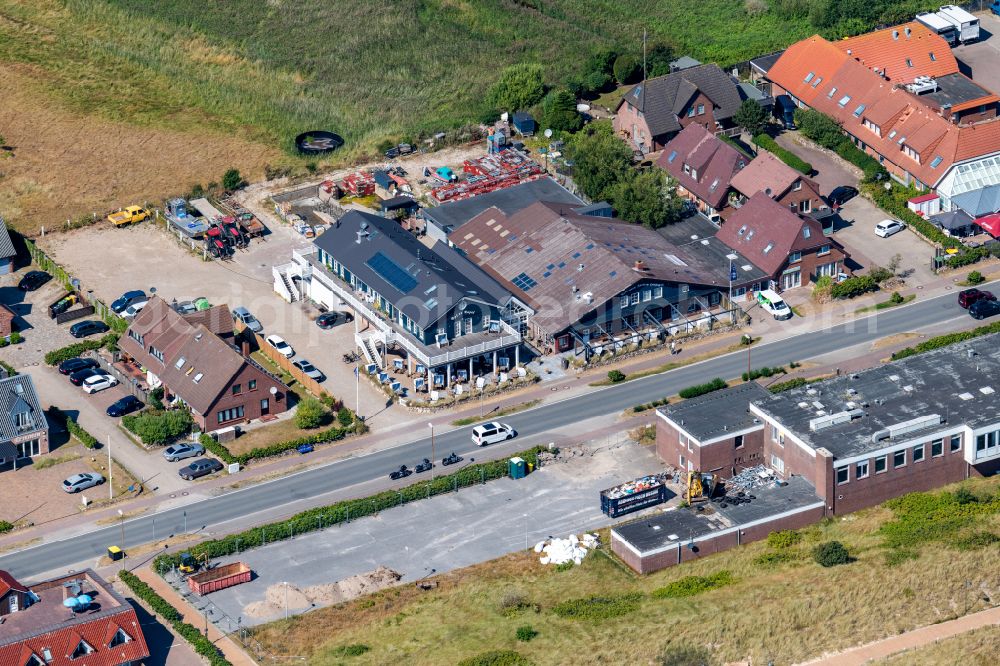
921,637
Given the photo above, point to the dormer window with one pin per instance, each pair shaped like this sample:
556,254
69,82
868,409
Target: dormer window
156,353
34,660
83,648
120,638
22,420
797,186
691,112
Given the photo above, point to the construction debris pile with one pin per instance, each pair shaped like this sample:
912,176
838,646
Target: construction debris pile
486,174
636,486
562,551
751,478
278,597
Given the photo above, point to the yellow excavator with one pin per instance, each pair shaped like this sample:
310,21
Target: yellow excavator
189,563
701,486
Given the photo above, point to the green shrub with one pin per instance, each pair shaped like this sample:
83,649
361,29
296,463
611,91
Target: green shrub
974,277
896,298
497,658
525,633
765,371
232,180
831,553
352,650
615,376
345,417
791,159
945,340
57,356
921,518
8,368
894,558
310,414
977,540
15,337
6,526
158,427
598,608
156,398
340,512
686,655
787,385
775,559
965,496
854,286
783,539
701,389
689,586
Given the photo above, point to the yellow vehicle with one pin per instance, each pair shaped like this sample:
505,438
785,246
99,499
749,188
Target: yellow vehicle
129,215
701,486
189,564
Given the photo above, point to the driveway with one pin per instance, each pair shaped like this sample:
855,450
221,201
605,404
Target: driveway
90,412
861,216
979,60
146,257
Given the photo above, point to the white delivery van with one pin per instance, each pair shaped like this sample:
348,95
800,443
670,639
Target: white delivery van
769,301
490,433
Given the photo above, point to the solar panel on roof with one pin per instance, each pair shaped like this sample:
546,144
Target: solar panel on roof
391,272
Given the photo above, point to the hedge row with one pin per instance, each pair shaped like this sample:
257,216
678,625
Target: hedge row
945,340
329,435
765,371
334,514
791,159
894,200
57,356
8,368
787,385
72,426
828,133
164,609
701,389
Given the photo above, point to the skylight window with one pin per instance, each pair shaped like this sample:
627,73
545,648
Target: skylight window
858,111
933,57
180,363
770,246
672,157
817,81
936,162
524,282
197,378
892,134
843,101
809,77
742,230
901,140
909,63
750,234
833,91
715,184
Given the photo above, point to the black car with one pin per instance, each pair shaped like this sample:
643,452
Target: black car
423,466
841,195
124,406
79,376
984,308
452,459
33,280
69,366
328,320
400,473
199,468
128,298
82,329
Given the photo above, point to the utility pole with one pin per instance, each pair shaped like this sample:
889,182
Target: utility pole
644,54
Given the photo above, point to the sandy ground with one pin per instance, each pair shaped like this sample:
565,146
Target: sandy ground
277,597
66,165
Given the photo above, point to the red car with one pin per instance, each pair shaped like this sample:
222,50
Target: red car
970,296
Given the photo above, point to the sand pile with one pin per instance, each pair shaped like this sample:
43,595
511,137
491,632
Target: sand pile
321,595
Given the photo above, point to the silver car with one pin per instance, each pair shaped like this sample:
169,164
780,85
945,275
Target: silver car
243,315
176,452
78,482
309,370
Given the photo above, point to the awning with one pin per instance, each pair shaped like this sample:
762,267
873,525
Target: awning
952,220
991,223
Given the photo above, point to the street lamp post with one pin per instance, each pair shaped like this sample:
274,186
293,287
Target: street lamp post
431,426
286,599
526,531
121,522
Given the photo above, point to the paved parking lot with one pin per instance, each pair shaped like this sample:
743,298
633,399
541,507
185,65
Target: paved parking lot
145,257
981,59
41,333
862,215
445,532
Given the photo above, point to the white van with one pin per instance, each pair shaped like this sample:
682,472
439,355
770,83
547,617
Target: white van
770,302
491,433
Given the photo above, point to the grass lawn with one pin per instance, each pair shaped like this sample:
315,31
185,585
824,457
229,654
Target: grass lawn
271,433
976,648
885,305
786,611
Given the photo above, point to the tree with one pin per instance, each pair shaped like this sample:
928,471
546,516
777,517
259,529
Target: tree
519,87
627,68
310,413
559,111
641,198
658,59
751,116
601,160
232,180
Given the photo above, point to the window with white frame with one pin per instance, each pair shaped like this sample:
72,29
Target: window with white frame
956,443
635,298
738,442
861,470
937,448
918,453
778,464
683,440
881,464
899,459
647,295
683,462
624,301
843,475
657,292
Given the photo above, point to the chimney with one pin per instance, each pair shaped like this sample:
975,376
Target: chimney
245,347
639,266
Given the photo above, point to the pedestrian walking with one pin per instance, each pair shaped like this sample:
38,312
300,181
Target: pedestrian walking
673,347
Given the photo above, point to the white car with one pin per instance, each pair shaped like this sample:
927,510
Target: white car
134,309
78,482
98,382
490,433
280,346
886,228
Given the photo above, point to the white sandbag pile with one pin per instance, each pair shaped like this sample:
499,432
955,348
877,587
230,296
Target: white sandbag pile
561,551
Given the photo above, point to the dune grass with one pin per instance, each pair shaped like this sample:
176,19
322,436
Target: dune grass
836,608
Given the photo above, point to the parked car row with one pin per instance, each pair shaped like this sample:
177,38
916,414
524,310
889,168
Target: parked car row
981,304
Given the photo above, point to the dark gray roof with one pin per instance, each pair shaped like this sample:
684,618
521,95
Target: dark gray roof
684,62
424,283
398,202
663,98
959,383
695,235
952,220
764,64
718,413
6,246
953,89
17,394
670,528
451,216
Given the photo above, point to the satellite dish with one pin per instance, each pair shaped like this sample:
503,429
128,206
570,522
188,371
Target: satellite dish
548,134
274,390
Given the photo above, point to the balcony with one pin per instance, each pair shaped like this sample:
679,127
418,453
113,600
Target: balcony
390,331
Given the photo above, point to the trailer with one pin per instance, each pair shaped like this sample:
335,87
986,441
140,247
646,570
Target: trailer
635,495
939,26
247,221
219,578
184,219
965,23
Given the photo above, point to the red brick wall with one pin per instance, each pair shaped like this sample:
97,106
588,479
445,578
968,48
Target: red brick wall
720,457
630,126
668,558
807,192
250,400
706,119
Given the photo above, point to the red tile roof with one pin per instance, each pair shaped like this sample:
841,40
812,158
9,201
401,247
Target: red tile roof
47,626
8,583
902,53
766,173
766,232
714,161
851,94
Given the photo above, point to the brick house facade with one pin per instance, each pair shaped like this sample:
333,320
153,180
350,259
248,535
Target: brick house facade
24,430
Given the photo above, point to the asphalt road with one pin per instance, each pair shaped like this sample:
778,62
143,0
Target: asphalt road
533,427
